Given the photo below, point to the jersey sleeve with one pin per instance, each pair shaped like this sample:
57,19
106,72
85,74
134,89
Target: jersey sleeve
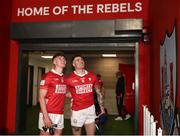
44,83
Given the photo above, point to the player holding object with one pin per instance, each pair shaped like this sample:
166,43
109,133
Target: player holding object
51,98
81,84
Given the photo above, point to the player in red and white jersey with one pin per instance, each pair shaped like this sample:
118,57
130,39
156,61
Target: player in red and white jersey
52,96
81,84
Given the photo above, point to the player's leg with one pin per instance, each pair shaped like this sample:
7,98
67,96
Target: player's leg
77,121
58,131
58,119
90,128
76,130
90,120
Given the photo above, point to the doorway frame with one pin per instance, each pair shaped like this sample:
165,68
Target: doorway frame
27,45
30,85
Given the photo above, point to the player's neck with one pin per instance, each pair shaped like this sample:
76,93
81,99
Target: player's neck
80,71
58,70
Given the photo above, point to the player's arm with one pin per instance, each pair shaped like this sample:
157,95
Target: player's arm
100,98
103,91
42,101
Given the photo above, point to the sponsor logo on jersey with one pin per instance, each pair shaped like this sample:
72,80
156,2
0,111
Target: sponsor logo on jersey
42,82
61,89
81,89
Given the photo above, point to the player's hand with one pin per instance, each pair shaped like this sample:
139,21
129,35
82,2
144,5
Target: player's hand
47,122
100,114
102,110
68,95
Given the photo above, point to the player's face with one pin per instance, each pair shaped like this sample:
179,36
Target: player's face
78,63
60,61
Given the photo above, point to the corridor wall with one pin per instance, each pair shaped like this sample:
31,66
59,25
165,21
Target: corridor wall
164,14
5,22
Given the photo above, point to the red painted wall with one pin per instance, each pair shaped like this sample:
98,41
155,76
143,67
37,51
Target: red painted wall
144,81
162,18
5,21
13,78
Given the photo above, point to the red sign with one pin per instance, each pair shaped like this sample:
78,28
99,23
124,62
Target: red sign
60,10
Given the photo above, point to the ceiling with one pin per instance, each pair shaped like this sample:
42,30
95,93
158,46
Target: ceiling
90,50
80,29
75,29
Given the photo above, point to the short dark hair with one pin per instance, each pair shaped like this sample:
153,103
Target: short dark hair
98,75
77,55
57,55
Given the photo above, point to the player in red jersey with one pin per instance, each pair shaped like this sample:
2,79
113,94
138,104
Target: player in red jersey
81,84
51,97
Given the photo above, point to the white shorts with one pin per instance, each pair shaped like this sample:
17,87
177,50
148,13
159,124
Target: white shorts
55,118
85,116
